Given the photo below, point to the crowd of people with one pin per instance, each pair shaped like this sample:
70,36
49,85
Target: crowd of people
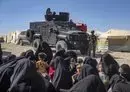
63,72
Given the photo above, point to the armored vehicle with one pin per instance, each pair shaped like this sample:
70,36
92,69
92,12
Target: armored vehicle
58,32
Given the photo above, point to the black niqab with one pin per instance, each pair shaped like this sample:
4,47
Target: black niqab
45,48
6,71
9,58
26,79
55,61
107,60
60,53
71,54
62,76
85,71
30,55
91,83
92,62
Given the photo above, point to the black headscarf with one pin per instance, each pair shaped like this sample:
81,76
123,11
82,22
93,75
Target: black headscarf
71,54
9,58
6,71
92,62
30,55
85,71
62,76
107,61
45,48
125,71
73,60
55,61
26,79
60,53
124,84
91,83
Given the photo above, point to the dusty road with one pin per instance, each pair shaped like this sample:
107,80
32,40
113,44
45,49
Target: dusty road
121,57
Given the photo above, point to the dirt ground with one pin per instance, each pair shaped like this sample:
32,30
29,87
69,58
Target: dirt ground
121,57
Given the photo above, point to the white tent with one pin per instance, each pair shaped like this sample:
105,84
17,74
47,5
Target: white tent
114,32
114,39
12,37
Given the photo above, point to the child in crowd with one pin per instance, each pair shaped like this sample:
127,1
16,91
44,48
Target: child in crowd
103,77
42,65
75,76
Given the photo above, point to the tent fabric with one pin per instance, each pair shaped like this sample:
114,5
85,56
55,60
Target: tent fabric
115,32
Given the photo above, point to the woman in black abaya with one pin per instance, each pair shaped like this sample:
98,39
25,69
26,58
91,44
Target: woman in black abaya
110,68
92,62
85,71
55,61
89,82
6,71
30,55
26,79
107,61
62,76
45,48
9,58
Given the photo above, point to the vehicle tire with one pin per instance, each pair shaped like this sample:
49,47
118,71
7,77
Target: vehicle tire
60,45
36,44
30,34
21,42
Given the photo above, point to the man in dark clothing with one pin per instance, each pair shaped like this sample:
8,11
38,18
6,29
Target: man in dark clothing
71,24
48,11
49,15
92,43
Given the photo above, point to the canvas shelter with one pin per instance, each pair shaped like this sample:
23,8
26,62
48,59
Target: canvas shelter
115,40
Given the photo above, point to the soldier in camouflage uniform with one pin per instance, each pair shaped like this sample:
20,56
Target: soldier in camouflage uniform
92,43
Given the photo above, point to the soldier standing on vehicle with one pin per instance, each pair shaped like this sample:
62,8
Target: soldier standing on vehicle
48,11
49,15
92,43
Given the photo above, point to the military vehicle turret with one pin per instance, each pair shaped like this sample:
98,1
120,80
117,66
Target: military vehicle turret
58,31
